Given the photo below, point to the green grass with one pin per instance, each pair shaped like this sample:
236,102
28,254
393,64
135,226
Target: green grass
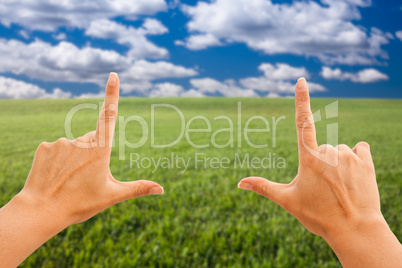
202,220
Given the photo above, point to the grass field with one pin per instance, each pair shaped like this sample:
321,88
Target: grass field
202,219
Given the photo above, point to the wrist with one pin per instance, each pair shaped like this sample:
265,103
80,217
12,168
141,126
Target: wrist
39,212
354,226
365,240
25,224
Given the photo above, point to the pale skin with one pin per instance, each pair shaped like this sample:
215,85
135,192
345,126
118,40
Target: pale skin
334,195
69,182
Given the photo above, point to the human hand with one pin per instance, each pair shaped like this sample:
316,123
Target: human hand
71,180
324,198
334,195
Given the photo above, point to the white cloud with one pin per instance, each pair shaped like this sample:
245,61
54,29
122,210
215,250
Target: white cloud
173,4
273,95
282,71
135,38
172,90
399,35
60,36
48,15
91,95
146,70
57,94
24,34
278,80
362,3
14,89
166,90
136,77
200,41
192,94
227,88
302,28
266,85
65,62
369,75
154,26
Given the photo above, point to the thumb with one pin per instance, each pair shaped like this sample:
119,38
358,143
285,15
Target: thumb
127,190
272,190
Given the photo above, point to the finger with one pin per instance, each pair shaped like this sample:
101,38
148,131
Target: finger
342,147
89,135
362,150
86,141
108,114
304,119
272,190
126,190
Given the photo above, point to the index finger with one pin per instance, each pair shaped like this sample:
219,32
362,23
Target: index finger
107,118
304,119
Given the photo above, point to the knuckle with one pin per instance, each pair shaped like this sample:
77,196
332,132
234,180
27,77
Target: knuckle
139,190
262,189
326,154
330,149
83,143
110,111
80,140
62,142
304,120
322,147
44,146
342,147
332,152
325,148
363,144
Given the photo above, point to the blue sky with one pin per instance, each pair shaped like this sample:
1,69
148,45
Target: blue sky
64,49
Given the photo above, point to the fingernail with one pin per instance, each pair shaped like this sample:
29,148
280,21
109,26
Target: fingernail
301,84
244,185
112,79
156,190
